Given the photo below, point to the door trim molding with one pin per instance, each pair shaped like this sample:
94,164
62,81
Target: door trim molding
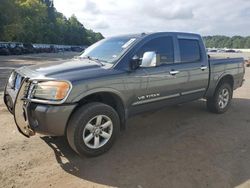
193,91
155,99
167,97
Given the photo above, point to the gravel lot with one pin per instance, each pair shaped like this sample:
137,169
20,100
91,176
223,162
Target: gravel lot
182,146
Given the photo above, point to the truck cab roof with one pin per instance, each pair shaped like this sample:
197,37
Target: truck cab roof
142,35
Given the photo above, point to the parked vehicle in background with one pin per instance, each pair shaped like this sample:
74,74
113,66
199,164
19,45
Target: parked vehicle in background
28,48
4,49
41,48
15,48
230,51
212,50
45,48
77,49
89,99
223,50
62,48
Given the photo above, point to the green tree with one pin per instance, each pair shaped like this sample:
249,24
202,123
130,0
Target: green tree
9,20
226,42
247,42
37,21
238,42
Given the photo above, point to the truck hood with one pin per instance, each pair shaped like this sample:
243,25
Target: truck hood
64,69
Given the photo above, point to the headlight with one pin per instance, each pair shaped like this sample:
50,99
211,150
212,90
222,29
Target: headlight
11,81
50,90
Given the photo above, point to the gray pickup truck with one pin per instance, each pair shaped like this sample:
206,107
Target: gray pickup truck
89,99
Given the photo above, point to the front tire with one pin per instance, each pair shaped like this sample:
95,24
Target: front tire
221,100
93,129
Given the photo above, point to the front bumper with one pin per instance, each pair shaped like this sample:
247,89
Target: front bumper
32,118
48,119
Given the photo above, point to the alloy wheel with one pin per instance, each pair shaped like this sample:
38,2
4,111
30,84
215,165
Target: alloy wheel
97,131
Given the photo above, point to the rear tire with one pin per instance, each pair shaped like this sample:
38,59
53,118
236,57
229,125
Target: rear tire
93,128
221,100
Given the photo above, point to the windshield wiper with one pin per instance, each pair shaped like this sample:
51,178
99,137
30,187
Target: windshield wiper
93,59
96,60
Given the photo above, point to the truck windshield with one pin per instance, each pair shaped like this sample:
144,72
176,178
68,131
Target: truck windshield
108,50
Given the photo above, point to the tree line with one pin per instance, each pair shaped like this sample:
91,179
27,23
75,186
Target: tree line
227,42
37,21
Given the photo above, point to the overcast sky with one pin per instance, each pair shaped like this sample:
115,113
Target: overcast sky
207,17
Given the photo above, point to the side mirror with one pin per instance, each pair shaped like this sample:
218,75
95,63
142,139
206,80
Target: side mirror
150,59
135,63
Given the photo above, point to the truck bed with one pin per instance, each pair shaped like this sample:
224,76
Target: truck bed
220,67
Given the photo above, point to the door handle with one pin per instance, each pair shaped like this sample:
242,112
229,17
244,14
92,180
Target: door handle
203,68
174,72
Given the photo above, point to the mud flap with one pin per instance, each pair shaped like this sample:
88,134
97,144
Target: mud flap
20,111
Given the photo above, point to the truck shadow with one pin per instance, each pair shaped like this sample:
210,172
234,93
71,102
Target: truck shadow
183,146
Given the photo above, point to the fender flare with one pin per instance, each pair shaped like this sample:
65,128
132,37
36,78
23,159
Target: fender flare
216,81
99,90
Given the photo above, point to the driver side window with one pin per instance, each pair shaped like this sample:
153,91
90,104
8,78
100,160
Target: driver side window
163,46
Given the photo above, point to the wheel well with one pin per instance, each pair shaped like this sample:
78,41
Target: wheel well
107,98
227,79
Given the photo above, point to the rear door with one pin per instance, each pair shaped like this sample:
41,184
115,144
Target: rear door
193,63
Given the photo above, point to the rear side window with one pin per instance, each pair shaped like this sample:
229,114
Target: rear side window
162,46
189,50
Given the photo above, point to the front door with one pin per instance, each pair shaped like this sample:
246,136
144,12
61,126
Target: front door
164,80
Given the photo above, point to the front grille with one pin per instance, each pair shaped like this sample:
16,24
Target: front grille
17,83
26,89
